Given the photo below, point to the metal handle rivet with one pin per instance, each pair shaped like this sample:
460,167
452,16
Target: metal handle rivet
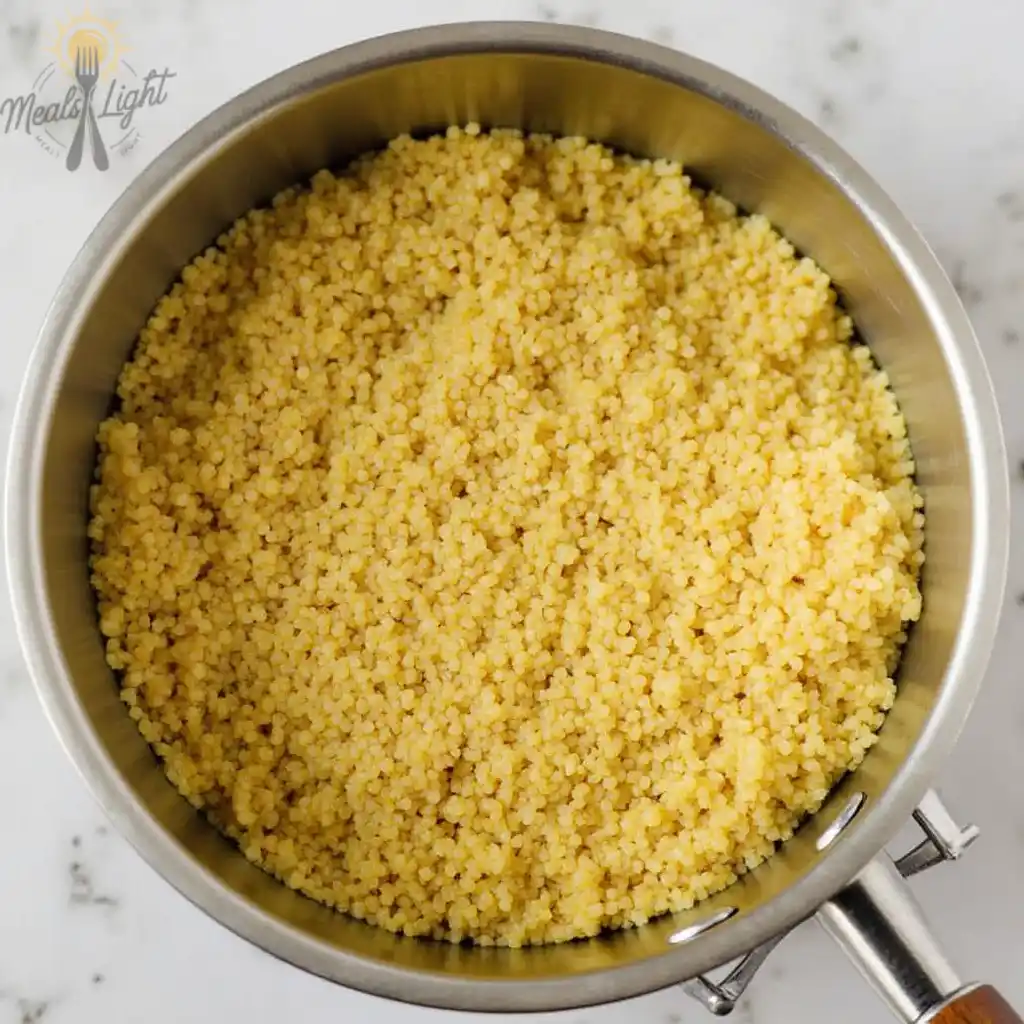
700,927
841,820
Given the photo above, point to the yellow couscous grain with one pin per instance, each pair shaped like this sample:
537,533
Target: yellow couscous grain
504,540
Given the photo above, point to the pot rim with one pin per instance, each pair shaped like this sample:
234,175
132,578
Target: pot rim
24,551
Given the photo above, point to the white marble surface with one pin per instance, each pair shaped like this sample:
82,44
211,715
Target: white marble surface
927,95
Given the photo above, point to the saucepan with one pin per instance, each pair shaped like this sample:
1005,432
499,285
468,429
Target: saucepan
643,99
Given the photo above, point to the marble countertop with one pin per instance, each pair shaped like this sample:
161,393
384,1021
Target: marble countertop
925,95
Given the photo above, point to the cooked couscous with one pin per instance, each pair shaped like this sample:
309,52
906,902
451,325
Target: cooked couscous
504,540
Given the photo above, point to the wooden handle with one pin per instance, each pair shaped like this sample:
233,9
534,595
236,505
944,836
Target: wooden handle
982,1005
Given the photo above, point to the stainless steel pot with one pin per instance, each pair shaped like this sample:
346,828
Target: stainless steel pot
648,100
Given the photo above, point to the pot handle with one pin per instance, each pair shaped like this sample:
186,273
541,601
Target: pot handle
980,1005
879,925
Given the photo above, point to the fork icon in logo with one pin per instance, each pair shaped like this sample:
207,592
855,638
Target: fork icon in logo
87,73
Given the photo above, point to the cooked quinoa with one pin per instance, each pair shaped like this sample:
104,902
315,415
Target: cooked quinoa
504,540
